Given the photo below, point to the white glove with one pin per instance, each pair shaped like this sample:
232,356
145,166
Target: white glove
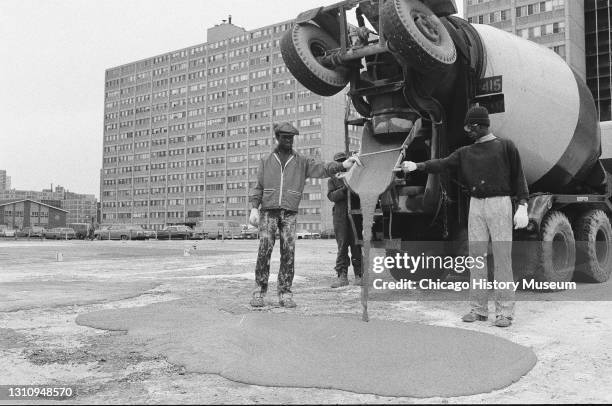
254,217
521,219
348,163
409,166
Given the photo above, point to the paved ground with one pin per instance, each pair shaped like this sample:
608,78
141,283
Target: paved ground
40,343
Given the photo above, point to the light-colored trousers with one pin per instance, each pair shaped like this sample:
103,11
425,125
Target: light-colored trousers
491,218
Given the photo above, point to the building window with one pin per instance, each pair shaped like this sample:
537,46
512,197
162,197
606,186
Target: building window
560,50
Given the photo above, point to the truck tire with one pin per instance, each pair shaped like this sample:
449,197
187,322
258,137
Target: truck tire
300,48
558,249
124,237
416,34
594,243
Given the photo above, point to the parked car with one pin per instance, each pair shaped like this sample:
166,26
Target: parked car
177,232
199,233
32,232
249,232
82,230
306,235
120,232
215,229
60,233
101,231
150,234
7,232
328,233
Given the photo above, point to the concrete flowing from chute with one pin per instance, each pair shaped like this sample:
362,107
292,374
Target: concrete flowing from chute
379,156
387,358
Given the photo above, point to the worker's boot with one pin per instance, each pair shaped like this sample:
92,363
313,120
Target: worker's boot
258,299
286,300
503,321
472,316
341,281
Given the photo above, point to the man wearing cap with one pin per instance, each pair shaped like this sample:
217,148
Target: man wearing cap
491,170
280,181
338,193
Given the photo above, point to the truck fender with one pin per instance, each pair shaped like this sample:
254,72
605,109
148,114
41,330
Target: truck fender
537,208
324,19
441,8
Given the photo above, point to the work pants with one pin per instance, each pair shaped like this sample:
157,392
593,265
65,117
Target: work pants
285,222
491,218
346,241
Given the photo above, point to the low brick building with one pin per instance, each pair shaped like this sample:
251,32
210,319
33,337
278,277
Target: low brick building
25,213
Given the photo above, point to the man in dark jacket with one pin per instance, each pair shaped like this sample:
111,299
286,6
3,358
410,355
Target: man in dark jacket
280,181
492,172
338,193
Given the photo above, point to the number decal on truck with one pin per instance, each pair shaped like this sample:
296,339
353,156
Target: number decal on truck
489,85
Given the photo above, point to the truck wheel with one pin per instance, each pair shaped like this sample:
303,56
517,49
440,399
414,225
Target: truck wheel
124,237
417,35
300,48
558,253
594,254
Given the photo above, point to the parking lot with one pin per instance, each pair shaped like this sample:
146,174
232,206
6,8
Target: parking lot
41,298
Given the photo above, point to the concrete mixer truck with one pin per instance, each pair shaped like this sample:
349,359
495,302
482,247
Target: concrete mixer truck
413,69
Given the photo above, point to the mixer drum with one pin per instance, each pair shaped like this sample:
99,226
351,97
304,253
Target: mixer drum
548,112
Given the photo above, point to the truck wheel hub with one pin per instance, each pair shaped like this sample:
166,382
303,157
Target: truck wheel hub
427,27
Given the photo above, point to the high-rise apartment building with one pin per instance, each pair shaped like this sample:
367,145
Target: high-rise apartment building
184,131
5,181
598,25
578,30
556,24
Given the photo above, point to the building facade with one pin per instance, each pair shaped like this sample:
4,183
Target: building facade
598,25
26,213
556,24
184,131
5,181
81,208
578,30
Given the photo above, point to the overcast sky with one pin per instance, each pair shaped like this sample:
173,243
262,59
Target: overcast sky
54,53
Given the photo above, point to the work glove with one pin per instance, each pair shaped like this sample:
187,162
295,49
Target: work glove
521,219
353,159
254,217
409,166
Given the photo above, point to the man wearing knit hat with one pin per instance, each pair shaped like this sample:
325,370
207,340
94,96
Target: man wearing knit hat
491,170
338,193
280,181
